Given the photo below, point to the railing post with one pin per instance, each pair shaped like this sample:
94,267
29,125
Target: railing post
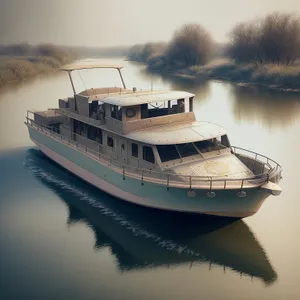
190,182
263,168
242,184
123,173
142,177
210,183
168,182
225,184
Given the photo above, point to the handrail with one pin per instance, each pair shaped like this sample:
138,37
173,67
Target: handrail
167,178
243,149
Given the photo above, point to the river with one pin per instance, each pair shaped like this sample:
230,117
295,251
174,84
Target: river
62,239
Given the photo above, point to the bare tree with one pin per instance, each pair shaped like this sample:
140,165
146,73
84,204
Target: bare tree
272,39
191,45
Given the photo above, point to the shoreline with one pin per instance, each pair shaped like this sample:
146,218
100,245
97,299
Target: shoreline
264,76
237,82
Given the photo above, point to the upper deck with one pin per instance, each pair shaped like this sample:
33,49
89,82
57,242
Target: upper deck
123,110
124,97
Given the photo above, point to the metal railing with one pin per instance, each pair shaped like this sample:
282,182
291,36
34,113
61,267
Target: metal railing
270,167
272,170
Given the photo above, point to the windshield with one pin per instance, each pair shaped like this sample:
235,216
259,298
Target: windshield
171,152
179,151
214,144
167,152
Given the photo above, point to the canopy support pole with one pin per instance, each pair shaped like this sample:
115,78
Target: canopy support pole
72,83
122,78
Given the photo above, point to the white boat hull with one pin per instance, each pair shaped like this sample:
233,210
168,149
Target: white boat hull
226,203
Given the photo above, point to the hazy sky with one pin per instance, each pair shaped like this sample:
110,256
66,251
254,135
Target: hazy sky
116,22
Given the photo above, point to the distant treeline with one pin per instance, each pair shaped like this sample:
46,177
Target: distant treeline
95,52
265,50
21,62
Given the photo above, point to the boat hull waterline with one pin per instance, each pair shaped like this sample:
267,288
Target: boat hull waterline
226,203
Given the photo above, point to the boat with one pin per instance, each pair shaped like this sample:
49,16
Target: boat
146,147
139,244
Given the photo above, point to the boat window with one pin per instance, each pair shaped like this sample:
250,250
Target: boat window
148,154
213,144
79,127
167,152
180,104
225,141
191,104
97,110
162,108
94,134
110,142
186,149
116,112
207,145
134,150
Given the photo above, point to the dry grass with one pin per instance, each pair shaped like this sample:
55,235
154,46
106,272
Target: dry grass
273,75
19,63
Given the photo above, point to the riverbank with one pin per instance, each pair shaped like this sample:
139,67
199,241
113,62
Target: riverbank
20,63
274,76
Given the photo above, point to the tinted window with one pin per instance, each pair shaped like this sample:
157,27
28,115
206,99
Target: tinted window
187,149
207,145
116,112
110,142
167,152
134,150
95,134
148,154
224,141
79,127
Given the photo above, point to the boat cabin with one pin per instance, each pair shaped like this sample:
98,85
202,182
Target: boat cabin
154,130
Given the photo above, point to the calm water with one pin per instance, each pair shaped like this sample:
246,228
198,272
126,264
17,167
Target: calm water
62,239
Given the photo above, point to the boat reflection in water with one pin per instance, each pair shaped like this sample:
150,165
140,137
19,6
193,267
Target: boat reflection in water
143,238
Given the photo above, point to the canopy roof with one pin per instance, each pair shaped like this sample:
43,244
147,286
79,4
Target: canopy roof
78,66
177,133
130,98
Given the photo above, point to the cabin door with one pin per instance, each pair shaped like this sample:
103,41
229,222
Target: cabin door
123,150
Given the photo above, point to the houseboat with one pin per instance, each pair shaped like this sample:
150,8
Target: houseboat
147,148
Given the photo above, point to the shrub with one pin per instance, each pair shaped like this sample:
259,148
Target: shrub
191,45
272,39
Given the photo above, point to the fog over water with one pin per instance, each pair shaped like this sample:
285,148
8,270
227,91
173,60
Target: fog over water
117,22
